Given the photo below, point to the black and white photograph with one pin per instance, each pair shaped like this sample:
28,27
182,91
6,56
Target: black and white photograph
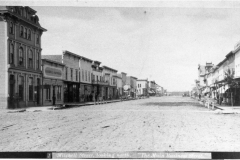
120,77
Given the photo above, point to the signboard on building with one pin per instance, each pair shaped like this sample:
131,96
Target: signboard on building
52,72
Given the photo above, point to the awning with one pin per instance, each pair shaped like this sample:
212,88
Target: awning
150,92
223,89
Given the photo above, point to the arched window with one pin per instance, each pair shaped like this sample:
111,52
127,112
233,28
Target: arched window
20,61
30,58
37,39
29,34
21,31
11,54
11,28
25,32
37,60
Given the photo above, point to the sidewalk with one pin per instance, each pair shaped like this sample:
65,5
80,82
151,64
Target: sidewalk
223,109
61,106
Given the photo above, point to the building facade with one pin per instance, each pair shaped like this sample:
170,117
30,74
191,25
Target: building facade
52,90
142,87
109,74
98,82
85,65
20,58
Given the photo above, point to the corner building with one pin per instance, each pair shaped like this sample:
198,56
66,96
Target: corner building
20,57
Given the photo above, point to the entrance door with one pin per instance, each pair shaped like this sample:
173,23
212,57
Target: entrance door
38,91
54,96
11,92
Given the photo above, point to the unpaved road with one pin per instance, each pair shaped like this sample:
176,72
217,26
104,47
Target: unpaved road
154,124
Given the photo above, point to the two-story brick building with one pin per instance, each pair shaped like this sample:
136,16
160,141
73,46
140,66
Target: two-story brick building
20,57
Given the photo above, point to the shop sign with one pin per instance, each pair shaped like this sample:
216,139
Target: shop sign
52,72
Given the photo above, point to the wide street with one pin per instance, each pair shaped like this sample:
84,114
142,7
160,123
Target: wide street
153,124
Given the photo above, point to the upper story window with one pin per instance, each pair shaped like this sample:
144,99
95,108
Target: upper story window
37,40
82,75
11,54
30,59
25,32
29,34
11,29
20,61
37,60
21,31
79,76
71,74
85,75
88,76
76,75
66,73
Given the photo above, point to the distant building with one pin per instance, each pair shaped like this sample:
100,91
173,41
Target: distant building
142,87
110,76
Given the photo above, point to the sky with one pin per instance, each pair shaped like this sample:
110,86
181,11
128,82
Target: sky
164,43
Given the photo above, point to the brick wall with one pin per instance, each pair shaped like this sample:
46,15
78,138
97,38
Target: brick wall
3,65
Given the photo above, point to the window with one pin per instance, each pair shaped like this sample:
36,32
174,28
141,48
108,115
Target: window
79,76
20,57
37,39
20,87
82,75
71,74
37,60
59,92
30,89
97,78
21,31
30,58
29,34
11,54
85,75
25,32
66,73
88,76
76,75
48,92
11,28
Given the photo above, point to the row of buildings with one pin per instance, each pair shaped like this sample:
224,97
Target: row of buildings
29,78
221,81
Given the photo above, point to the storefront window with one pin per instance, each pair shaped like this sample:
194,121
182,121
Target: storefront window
30,89
59,92
48,92
20,87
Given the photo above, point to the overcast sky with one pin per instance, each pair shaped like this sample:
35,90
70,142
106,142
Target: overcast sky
164,44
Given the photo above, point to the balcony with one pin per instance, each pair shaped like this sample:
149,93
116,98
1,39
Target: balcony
99,82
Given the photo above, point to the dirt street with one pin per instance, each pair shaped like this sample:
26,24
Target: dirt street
154,124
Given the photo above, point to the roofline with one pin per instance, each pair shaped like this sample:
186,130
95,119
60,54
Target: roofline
110,68
19,17
76,55
133,77
44,59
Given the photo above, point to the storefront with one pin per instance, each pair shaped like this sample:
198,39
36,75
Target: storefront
71,92
52,88
85,92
